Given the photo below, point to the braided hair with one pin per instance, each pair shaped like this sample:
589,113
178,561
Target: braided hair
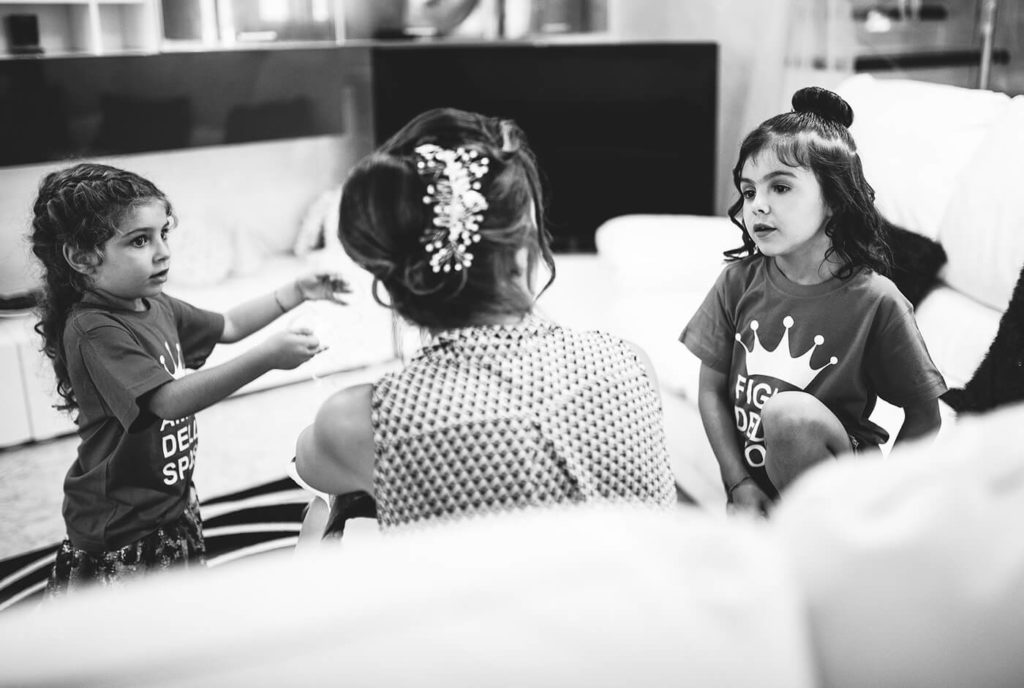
79,208
816,137
384,218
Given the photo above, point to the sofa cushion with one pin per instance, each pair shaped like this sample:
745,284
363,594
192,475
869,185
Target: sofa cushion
202,252
912,569
590,596
983,227
958,332
661,267
914,137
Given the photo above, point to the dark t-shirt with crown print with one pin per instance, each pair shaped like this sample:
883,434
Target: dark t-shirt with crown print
133,470
847,342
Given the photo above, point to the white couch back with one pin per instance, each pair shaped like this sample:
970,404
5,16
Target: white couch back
944,163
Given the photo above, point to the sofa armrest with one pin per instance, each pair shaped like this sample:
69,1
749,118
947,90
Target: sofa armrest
657,269
671,252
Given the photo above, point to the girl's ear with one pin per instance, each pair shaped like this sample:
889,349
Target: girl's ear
79,260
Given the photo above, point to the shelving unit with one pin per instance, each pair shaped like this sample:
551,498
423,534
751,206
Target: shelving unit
92,27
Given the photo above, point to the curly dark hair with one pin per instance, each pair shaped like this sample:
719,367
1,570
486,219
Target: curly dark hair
78,207
384,217
816,136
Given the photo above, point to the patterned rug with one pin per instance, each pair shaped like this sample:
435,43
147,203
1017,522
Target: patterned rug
238,525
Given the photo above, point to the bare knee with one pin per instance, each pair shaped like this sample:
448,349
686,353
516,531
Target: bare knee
798,415
799,432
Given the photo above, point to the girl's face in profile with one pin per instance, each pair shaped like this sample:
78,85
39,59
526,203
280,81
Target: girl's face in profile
134,263
784,211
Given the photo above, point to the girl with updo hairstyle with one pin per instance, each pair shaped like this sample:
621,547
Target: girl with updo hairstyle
500,409
803,331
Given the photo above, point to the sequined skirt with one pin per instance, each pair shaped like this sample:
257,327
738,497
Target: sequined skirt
178,543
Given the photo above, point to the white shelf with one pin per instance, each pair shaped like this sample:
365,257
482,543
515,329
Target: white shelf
88,27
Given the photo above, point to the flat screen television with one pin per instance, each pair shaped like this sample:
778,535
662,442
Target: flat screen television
618,128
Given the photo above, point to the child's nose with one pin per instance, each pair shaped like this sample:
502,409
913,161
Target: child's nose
163,250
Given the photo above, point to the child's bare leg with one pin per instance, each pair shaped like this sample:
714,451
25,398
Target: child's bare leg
800,432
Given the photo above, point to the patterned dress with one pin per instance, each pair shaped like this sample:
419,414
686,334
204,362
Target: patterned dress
494,418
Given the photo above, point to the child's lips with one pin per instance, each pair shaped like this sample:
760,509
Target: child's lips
161,276
761,230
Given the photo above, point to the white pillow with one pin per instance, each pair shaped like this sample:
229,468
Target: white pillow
913,566
914,138
983,228
202,252
319,226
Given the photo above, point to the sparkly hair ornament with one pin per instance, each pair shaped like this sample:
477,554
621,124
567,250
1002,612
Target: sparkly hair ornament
453,189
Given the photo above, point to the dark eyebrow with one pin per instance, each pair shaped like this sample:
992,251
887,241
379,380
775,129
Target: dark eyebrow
771,175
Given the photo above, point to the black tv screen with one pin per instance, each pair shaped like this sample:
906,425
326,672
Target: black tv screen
617,128
56,108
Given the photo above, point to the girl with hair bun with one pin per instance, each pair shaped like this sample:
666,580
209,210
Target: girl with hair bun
500,409
803,331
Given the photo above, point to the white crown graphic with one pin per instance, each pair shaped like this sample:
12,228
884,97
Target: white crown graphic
176,367
779,363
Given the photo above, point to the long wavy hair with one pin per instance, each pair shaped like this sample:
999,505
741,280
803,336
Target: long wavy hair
384,217
79,207
816,137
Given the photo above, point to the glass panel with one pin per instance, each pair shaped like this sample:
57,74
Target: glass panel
276,20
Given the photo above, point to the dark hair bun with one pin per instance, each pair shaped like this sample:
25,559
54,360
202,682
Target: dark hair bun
823,103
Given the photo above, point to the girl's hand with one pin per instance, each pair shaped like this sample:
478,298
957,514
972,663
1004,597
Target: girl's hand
322,285
290,348
747,497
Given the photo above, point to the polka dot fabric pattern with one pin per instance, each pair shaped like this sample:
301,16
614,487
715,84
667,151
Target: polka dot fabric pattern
488,419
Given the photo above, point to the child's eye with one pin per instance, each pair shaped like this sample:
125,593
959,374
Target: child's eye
780,188
140,241
164,233
748,194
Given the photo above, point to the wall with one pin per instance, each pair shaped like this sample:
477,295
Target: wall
752,47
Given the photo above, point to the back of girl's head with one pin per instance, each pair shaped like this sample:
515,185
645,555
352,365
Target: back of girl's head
388,209
816,137
79,208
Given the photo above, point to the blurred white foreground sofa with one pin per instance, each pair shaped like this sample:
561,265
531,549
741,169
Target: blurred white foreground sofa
873,573
944,162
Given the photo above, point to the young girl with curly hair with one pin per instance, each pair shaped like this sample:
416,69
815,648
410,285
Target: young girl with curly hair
121,349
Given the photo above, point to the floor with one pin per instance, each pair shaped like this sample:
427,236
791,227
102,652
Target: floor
248,439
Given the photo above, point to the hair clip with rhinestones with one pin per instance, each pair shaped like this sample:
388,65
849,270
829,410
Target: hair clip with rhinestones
453,189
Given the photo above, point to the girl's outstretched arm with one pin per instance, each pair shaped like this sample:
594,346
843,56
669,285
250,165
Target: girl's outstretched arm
336,453
920,420
717,416
253,315
202,388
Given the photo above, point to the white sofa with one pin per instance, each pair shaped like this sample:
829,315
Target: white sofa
870,574
944,163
